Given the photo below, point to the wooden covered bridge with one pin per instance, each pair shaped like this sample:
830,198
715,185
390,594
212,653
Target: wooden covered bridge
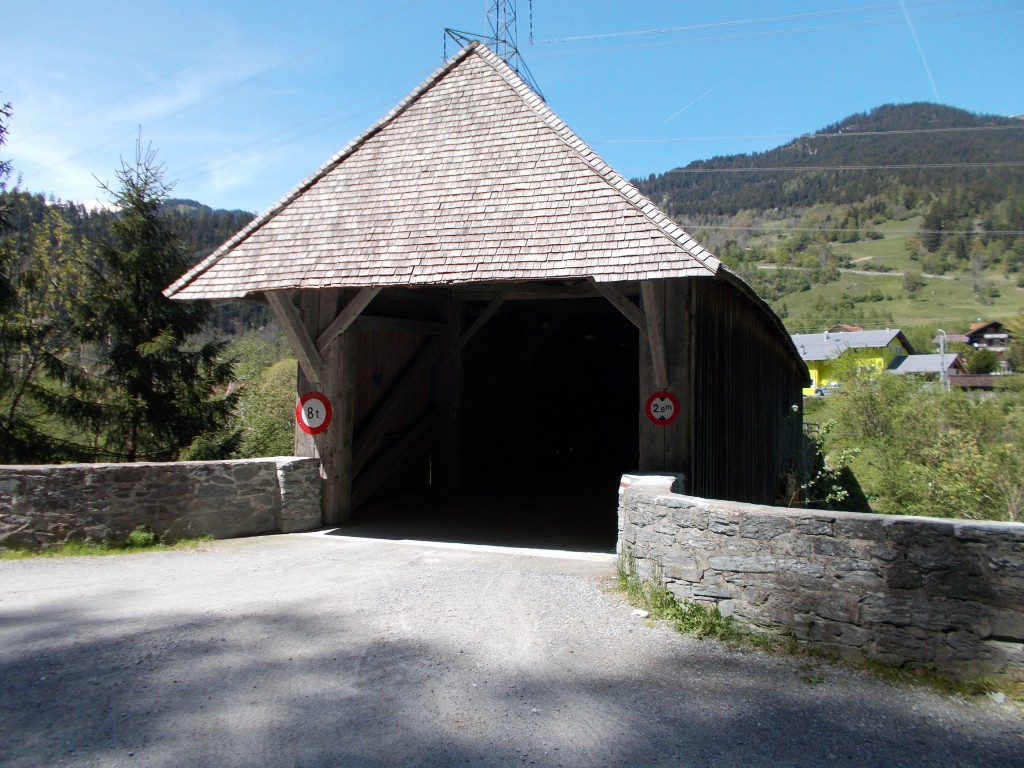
487,304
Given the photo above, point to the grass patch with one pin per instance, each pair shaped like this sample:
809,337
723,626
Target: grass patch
949,300
687,617
139,540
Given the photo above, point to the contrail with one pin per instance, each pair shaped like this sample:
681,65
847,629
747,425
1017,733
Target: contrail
920,50
682,109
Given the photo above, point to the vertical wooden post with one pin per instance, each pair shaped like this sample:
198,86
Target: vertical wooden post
317,310
309,315
678,331
335,444
652,294
665,363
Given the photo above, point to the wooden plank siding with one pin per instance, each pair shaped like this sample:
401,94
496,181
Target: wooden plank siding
745,389
396,383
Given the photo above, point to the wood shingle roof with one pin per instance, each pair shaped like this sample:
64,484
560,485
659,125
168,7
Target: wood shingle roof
471,178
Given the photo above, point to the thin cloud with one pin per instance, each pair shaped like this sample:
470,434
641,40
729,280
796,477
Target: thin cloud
920,50
685,107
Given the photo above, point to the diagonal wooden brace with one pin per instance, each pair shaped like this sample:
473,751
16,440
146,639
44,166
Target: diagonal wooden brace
347,316
301,342
621,302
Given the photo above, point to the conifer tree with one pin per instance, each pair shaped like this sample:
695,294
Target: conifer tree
30,324
40,274
151,395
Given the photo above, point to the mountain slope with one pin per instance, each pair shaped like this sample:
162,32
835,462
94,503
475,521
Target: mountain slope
909,214
823,167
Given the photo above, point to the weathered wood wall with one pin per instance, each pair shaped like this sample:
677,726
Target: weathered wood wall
667,306
397,378
747,404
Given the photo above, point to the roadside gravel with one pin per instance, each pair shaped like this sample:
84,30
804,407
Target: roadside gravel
321,650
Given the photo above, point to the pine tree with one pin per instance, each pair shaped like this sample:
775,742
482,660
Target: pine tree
151,396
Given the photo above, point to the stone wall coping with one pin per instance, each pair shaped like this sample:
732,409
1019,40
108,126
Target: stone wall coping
649,495
110,464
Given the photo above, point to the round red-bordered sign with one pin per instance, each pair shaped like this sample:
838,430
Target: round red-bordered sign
662,408
313,413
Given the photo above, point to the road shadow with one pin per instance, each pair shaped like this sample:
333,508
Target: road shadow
287,687
553,518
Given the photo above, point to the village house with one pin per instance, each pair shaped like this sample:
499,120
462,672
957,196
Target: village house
990,335
934,365
984,334
871,350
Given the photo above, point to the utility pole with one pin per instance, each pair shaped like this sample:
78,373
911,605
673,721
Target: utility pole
942,350
502,37
501,20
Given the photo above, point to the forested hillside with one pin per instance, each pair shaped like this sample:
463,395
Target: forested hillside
909,214
34,220
909,154
200,227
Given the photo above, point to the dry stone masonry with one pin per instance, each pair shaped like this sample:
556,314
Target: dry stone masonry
41,505
923,592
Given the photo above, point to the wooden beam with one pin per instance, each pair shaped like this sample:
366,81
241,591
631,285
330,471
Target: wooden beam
347,316
309,312
334,446
653,307
301,342
377,323
530,292
679,327
480,322
621,302
393,402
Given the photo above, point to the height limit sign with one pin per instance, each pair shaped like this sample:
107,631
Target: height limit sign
662,408
313,413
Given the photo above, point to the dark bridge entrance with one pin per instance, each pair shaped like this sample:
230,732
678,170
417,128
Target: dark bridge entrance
549,422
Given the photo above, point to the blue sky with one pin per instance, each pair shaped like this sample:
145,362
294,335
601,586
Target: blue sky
243,100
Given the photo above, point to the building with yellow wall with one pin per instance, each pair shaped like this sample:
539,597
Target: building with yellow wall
872,350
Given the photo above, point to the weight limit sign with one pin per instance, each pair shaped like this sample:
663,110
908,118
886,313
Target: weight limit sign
662,408
313,413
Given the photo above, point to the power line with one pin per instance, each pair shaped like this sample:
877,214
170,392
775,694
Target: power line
837,135
771,33
737,23
194,172
893,167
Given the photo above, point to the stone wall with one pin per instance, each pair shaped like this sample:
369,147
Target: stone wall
901,591
41,505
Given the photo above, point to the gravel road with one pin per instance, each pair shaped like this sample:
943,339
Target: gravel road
321,650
